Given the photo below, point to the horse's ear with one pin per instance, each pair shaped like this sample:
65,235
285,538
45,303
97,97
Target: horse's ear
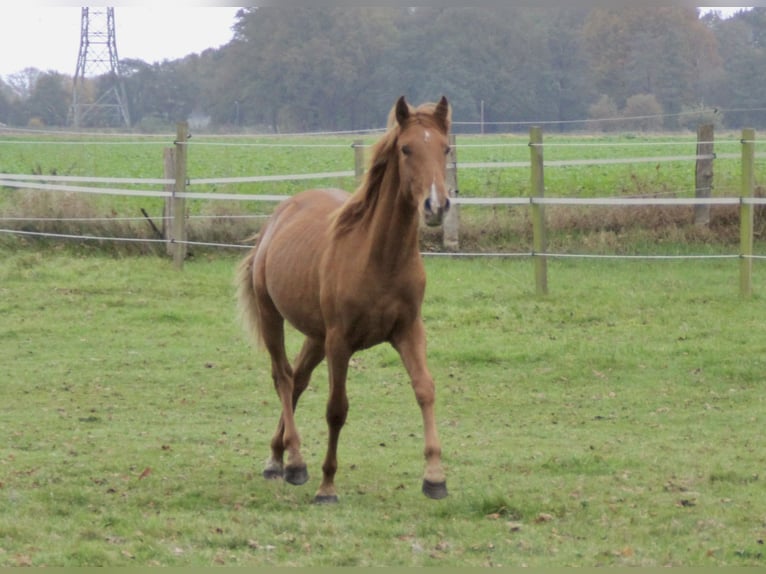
443,114
402,111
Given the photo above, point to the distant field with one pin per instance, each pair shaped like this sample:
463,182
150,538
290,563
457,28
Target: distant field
241,156
484,228
617,422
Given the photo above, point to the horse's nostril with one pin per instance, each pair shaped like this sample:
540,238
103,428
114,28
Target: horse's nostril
430,207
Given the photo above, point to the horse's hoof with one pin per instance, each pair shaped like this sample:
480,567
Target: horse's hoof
435,490
326,499
296,475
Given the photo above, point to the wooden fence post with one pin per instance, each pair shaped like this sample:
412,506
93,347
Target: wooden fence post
539,243
451,227
358,146
746,214
703,173
169,172
178,204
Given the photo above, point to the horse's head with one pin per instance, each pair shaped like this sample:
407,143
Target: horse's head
422,146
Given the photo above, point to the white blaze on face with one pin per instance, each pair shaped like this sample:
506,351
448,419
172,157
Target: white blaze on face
426,136
434,196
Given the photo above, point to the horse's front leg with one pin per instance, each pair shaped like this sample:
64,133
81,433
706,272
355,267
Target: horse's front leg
411,346
338,356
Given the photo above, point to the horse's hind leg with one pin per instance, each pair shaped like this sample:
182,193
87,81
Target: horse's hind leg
310,356
287,437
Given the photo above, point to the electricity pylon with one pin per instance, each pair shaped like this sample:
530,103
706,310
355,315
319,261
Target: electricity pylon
100,102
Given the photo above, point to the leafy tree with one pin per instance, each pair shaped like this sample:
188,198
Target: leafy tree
162,92
5,102
307,67
603,115
649,49
311,67
50,99
740,88
572,76
521,63
22,83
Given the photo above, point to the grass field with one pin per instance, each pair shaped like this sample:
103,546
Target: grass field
580,230
618,421
212,157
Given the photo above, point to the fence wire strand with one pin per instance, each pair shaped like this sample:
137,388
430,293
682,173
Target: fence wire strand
435,254
26,181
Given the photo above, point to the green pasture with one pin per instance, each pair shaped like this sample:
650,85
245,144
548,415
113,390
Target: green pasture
482,228
214,157
618,421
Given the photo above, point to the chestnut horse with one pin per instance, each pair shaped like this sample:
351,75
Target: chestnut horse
346,271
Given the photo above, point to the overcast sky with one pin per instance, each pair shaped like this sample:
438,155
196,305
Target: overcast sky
47,37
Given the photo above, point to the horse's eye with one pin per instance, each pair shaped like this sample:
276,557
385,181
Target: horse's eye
447,149
406,150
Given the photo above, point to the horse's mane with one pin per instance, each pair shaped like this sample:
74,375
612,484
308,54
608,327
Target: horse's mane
366,195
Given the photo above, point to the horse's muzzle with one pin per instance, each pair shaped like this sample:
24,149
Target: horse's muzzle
434,214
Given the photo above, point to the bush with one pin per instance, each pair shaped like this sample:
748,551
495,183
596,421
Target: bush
602,115
693,116
642,112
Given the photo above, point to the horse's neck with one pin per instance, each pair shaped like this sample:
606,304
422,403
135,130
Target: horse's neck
394,228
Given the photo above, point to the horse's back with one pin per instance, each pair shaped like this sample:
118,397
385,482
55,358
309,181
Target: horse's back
287,256
305,217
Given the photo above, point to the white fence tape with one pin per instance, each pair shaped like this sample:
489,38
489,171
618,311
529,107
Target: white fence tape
61,184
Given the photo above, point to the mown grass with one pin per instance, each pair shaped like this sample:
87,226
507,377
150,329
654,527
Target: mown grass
615,422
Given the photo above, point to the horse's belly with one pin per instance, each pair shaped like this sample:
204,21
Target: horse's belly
291,259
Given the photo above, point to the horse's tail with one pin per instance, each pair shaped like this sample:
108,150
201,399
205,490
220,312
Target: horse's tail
247,301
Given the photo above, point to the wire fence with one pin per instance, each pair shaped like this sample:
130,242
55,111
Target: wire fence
694,115
59,183
119,186
434,254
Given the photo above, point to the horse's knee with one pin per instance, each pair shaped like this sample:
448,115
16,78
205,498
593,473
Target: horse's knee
425,392
336,414
281,374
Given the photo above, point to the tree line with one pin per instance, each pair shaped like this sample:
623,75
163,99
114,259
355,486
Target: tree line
312,68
